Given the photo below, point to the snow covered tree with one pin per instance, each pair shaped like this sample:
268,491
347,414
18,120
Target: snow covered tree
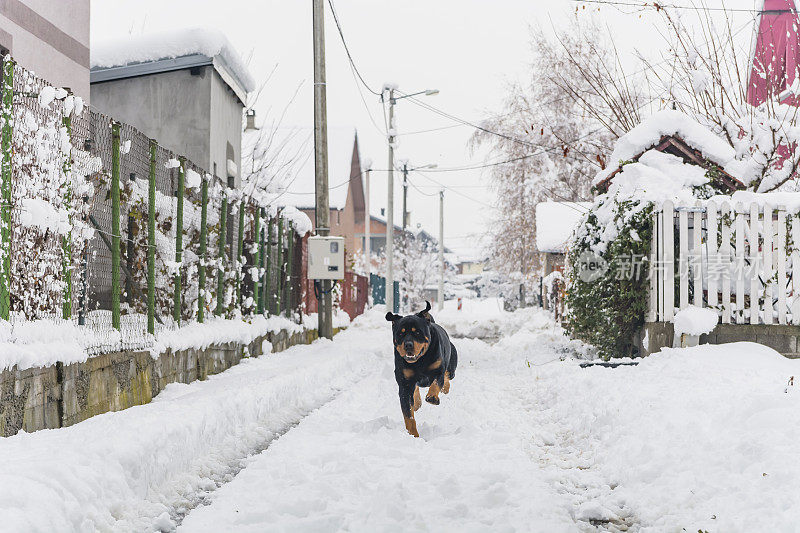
550,147
417,263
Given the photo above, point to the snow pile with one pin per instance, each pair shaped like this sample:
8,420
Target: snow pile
773,200
133,49
555,223
340,319
663,123
695,321
302,224
148,465
221,331
40,343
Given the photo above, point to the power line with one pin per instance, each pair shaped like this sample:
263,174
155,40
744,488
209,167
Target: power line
347,50
658,5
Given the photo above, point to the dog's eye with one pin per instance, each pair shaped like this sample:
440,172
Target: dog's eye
413,329
403,330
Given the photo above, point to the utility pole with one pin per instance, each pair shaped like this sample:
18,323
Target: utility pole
322,207
441,249
405,197
367,229
390,211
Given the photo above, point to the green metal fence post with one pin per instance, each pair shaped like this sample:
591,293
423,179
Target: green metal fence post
115,229
268,271
239,252
290,236
66,240
223,216
201,269
257,259
176,310
5,190
279,269
151,241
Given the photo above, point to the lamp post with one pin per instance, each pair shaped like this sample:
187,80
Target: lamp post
406,170
392,134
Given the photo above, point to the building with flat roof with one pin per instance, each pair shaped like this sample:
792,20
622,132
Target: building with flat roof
50,38
187,89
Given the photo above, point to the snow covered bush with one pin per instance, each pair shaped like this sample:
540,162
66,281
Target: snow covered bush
608,308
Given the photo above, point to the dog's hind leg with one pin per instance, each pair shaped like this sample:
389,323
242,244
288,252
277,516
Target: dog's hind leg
446,386
417,399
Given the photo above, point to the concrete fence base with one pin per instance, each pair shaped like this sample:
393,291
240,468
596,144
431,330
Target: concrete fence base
782,338
63,395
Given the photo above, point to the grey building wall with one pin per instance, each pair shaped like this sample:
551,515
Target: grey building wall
192,112
170,107
51,38
226,135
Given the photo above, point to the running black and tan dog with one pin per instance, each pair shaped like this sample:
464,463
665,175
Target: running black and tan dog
423,357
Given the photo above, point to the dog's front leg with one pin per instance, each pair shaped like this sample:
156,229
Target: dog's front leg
406,393
434,389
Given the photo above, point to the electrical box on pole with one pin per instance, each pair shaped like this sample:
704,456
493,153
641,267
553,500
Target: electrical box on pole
326,257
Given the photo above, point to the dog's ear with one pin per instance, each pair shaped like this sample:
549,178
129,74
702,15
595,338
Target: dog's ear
391,317
424,313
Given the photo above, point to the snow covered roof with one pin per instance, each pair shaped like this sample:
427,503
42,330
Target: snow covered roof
555,223
664,127
137,55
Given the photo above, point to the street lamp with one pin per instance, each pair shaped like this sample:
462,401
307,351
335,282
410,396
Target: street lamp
390,201
406,170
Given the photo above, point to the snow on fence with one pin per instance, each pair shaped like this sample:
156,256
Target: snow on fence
737,259
103,229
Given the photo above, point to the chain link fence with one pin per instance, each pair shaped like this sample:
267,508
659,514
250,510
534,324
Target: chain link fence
102,227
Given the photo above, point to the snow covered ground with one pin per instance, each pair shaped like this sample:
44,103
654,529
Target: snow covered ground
312,439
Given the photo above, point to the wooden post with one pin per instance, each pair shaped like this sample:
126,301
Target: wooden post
176,309
725,261
683,258
223,233
652,308
268,272
290,236
257,258
279,271
754,263
795,270
115,227
712,258
766,253
5,189
151,241
239,252
201,269
669,261
697,256
66,240
740,263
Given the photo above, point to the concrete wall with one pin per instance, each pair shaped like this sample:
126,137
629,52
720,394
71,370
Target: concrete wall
63,395
226,120
51,38
170,107
782,339
192,112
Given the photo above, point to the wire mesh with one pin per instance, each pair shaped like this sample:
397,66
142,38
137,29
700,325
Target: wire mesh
62,228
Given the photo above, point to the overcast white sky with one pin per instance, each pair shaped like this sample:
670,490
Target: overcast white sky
468,49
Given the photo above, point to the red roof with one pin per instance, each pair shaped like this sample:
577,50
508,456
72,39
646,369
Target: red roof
776,55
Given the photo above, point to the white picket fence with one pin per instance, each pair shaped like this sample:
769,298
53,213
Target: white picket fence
735,259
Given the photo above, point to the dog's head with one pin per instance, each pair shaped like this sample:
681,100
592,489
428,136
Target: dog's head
411,334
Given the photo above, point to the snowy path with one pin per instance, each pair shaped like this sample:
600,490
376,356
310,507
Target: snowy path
350,466
312,440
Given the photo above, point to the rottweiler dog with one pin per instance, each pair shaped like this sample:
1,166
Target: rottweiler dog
423,357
